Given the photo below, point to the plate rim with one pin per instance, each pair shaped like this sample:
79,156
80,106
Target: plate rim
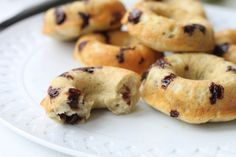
43,142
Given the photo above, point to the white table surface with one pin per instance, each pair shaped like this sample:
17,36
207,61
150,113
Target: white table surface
11,144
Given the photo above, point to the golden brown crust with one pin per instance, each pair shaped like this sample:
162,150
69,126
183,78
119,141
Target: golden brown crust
195,88
116,49
69,21
171,25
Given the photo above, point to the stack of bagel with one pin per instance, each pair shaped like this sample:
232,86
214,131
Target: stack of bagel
123,52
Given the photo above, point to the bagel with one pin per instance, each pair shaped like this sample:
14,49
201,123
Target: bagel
226,45
72,95
195,88
116,49
171,25
69,21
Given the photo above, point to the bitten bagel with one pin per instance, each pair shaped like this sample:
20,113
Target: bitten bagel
195,88
171,25
116,49
72,95
69,21
226,45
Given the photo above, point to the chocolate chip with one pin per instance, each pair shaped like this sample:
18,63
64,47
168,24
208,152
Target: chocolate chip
220,49
60,16
82,45
231,69
161,63
53,92
174,113
144,75
85,18
167,80
73,98
106,36
217,92
120,55
200,27
116,18
134,16
186,68
67,75
87,69
141,61
126,95
191,28
73,119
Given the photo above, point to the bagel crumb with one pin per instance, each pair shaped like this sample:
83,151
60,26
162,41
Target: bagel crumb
162,63
53,92
73,98
220,49
67,75
82,45
60,16
174,113
230,68
134,16
217,92
73,119
191,28
167,80
85,18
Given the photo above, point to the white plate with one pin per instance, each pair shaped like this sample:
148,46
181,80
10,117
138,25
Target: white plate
28,62
7,9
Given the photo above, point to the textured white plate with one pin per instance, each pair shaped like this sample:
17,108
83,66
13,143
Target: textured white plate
28,62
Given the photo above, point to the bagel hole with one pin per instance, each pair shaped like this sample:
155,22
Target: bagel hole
195,67
192,73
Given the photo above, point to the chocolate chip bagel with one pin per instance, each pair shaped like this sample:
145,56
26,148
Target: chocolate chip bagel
226,45
69,21
72,95
116,49
171,25
195,88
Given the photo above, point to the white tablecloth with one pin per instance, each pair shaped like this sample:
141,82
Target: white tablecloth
11,144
